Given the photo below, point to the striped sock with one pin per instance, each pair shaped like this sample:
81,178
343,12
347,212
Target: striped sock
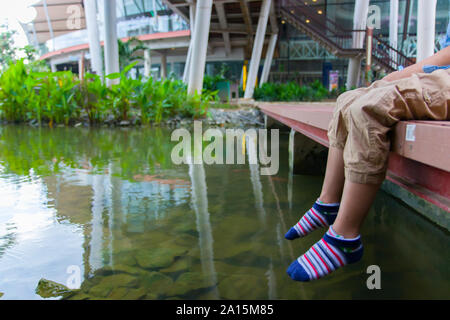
319,216
328,254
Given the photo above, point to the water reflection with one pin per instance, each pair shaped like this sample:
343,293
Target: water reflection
112,203
199,202
252,152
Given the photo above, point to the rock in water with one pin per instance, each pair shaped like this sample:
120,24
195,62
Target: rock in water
156,283
190,281
50,289
157,258
241,286
112,282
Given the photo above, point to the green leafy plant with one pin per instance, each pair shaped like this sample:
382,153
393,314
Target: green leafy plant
17,93
128,51
291,91
61,98
123,94
56,96
92,97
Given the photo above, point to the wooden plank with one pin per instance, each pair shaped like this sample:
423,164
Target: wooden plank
430,143
424,141
317,115
427,182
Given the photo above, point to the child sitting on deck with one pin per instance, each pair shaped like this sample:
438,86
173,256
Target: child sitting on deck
358,155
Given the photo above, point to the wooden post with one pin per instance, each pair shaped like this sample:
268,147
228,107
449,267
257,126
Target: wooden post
81,67
369,55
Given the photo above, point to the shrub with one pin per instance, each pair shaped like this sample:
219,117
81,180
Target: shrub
60,97
291,91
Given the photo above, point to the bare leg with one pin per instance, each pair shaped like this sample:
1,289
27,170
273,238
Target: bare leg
331,193
333,183
356,201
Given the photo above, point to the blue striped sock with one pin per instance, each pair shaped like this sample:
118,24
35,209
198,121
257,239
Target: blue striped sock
319,216
328,254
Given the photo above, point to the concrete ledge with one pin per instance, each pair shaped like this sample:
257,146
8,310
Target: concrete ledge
427,209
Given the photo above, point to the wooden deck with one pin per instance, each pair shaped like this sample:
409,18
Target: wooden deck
419,159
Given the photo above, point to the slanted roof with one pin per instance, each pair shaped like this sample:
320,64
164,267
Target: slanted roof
61,17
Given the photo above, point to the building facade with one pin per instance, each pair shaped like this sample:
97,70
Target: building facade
299,55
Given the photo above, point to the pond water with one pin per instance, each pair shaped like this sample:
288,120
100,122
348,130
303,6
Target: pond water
107,208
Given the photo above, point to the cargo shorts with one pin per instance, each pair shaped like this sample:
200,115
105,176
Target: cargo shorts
364,117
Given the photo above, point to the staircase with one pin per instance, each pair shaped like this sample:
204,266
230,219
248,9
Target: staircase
337,40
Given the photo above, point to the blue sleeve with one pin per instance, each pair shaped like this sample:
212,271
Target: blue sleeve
445,42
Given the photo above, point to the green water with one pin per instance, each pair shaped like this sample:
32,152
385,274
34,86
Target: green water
109,203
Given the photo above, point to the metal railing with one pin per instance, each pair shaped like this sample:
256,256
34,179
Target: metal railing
388,56
344,42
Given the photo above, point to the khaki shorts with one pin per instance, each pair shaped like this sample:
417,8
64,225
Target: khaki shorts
363,118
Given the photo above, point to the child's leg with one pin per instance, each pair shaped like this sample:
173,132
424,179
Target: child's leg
356,201
368,120
324,211
333,183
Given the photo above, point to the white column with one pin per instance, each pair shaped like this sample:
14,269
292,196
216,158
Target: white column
393,24
393,28
200,46
189,53
49,23
257,48
147,63
426,24
111,46
90,9
359,23
163,66
53,66
268,60
188,62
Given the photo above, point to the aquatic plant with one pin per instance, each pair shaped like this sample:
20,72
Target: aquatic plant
292,91
61,98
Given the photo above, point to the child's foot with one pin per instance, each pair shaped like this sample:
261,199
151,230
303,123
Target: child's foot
328,254
320,215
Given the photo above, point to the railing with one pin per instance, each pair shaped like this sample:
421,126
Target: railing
388,56
344,41
319,24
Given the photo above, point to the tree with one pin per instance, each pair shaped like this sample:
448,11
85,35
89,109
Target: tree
8,51
30,52
128,50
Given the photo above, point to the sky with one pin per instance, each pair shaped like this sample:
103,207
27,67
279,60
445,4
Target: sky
11,12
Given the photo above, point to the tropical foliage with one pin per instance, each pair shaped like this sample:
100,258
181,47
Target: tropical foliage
291,91
128,51
210,82
61,98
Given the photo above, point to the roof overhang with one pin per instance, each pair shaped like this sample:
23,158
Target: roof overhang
55,18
